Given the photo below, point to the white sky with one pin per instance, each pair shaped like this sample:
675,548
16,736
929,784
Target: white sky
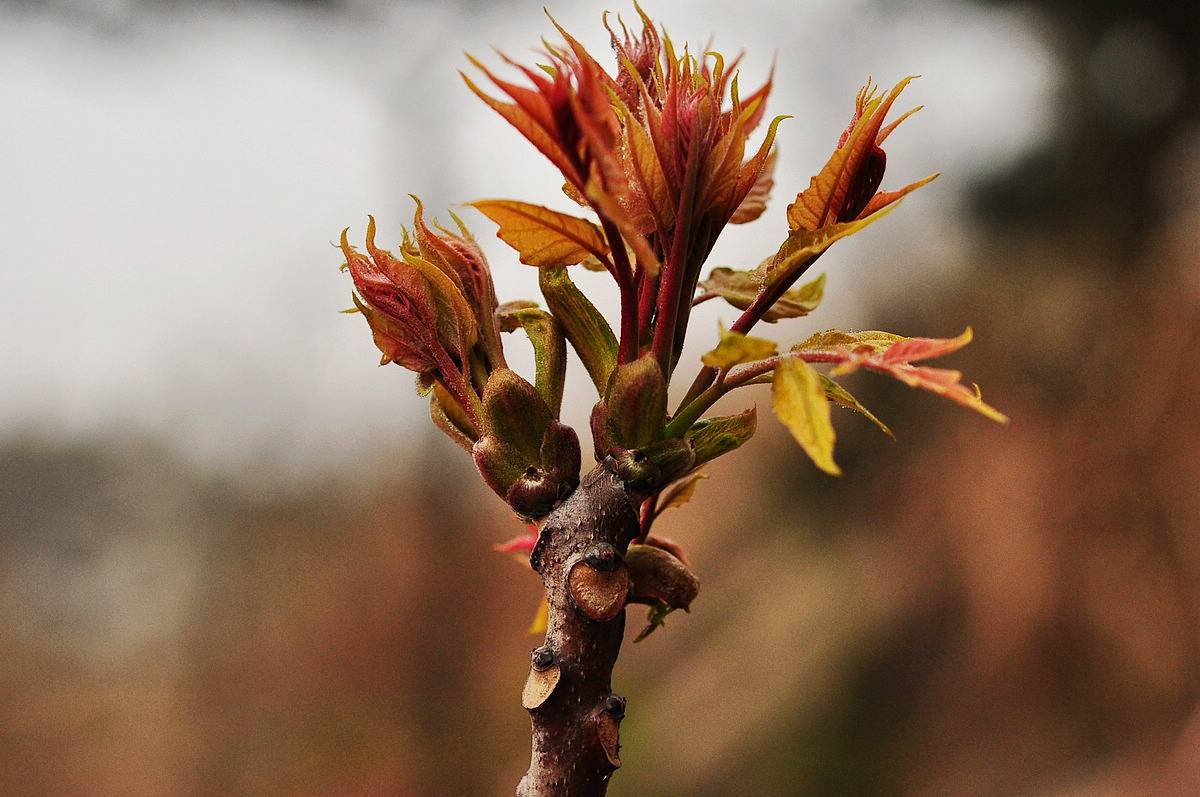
171,184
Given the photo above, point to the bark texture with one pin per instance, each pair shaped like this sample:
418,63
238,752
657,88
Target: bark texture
569,696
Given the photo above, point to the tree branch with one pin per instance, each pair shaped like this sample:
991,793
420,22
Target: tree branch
575,715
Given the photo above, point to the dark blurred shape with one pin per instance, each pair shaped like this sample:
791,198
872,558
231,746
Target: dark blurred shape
1128,92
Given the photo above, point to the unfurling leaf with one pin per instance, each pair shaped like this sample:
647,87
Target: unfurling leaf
846,187
735,348
544,237
450,418
837,339
589,334
636,403
680,492
712,437
798,398
549,349
755,202
893,355
741,288
842,397
803,246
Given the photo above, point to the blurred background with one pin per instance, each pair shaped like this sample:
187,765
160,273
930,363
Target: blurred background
236,558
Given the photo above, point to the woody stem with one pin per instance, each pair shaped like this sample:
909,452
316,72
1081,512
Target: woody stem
575,715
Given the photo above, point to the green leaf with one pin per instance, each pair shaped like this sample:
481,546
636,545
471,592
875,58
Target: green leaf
842,397
584,326
741,288
549,349
799,400
735,348
656,618
713,437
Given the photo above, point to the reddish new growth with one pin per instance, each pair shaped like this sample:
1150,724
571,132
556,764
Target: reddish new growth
657,152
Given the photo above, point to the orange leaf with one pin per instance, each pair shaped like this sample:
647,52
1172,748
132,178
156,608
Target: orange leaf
884,353
828,192
755,201
910,349
527,124
544,237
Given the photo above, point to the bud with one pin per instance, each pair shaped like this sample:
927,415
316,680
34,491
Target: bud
524,455
656,465
847,188
657,576
636,403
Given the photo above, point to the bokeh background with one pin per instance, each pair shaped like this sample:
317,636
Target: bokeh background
236,558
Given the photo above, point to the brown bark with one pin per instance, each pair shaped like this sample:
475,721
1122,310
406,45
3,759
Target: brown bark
569,695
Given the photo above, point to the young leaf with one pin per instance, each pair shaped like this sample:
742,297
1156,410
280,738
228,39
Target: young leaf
848,180
521,545
648,180
913,349
531,119
842,397
656,618
679,493
735,348
755,202
544,237
836,338
741,288
804,245
713,437
799,400
893,355
589,334
549,349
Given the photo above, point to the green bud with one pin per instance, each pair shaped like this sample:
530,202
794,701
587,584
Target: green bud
655,465
560,455
514,412
636,402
